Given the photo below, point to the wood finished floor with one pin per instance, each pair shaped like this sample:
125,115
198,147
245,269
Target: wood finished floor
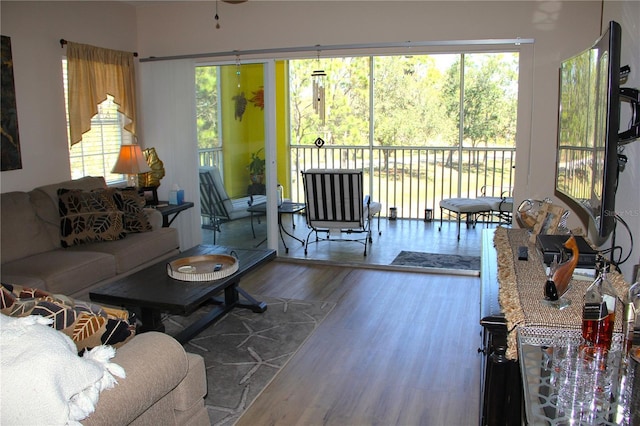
400,346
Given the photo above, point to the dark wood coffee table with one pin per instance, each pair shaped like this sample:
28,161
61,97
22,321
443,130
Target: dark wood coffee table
152,291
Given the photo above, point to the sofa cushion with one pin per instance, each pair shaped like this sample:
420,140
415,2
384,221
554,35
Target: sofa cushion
25,280
87,216
135,217
148,388
87,183
136,249
22,233
45,201
87,324
62,270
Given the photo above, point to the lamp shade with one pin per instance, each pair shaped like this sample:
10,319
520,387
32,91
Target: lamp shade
131,161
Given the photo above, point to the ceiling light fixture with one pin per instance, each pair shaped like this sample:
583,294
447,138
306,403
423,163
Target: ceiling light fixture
217,17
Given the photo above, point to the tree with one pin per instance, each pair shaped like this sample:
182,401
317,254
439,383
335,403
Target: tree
207,107
416,100
346,101
407,106
489,99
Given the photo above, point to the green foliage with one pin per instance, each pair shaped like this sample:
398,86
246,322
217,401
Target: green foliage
575,99
256,165
416,100
207,107
347,101
490,97
407,106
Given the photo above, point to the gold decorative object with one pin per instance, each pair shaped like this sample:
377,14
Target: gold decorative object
152,178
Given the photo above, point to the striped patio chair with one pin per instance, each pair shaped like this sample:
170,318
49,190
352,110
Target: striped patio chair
337,207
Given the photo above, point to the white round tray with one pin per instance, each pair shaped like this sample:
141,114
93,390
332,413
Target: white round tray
202,268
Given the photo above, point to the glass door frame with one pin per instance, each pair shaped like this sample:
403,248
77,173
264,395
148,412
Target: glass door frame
269,80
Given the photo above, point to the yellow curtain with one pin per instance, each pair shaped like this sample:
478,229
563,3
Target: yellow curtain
94,72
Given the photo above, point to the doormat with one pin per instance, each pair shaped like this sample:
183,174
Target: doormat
436,260
244,351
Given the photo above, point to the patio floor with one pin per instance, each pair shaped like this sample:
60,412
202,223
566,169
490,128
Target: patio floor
398,235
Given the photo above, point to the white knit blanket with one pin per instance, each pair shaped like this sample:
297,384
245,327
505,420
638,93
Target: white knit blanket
44,381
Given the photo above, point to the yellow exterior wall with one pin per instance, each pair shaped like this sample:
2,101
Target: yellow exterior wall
282,126
242,137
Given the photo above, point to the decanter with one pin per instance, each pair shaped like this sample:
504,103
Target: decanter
599,312
631,324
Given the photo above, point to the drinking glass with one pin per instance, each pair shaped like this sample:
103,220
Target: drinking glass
596,369
564,357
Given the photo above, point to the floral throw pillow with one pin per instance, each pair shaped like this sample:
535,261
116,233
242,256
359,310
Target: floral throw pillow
88,216
89,325
135,218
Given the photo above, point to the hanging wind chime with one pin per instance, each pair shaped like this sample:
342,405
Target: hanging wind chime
239,99
318,77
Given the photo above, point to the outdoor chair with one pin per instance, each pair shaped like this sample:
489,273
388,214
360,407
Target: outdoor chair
216,205
484,207
336,206
501,207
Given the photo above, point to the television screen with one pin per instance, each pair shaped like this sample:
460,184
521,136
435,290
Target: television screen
588,125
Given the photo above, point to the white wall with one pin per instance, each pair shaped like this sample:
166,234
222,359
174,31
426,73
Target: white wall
35,29
560,29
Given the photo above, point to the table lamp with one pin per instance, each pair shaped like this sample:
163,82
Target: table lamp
131,162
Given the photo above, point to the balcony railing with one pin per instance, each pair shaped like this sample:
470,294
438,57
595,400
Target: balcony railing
408,178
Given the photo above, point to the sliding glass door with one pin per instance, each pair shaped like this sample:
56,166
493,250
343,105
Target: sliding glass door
232,145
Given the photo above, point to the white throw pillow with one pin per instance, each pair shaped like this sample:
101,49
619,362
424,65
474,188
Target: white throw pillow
44,381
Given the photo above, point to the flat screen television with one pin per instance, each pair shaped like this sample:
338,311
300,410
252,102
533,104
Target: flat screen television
588,126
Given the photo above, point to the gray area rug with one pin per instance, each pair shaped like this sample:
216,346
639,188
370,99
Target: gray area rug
244,351
435,260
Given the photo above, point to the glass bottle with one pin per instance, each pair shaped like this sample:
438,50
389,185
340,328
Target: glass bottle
629,399
280,195
599,312
632,316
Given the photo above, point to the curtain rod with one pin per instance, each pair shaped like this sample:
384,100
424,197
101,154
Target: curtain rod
63,42
317,47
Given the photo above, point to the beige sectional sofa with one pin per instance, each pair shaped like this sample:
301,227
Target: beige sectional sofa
31,253
164,385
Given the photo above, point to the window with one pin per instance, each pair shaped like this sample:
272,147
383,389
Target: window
208,115
98,151
415,100
423,127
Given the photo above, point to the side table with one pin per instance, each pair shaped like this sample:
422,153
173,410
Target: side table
287,207
170,211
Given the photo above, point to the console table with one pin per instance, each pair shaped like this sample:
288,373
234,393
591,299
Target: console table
516,323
